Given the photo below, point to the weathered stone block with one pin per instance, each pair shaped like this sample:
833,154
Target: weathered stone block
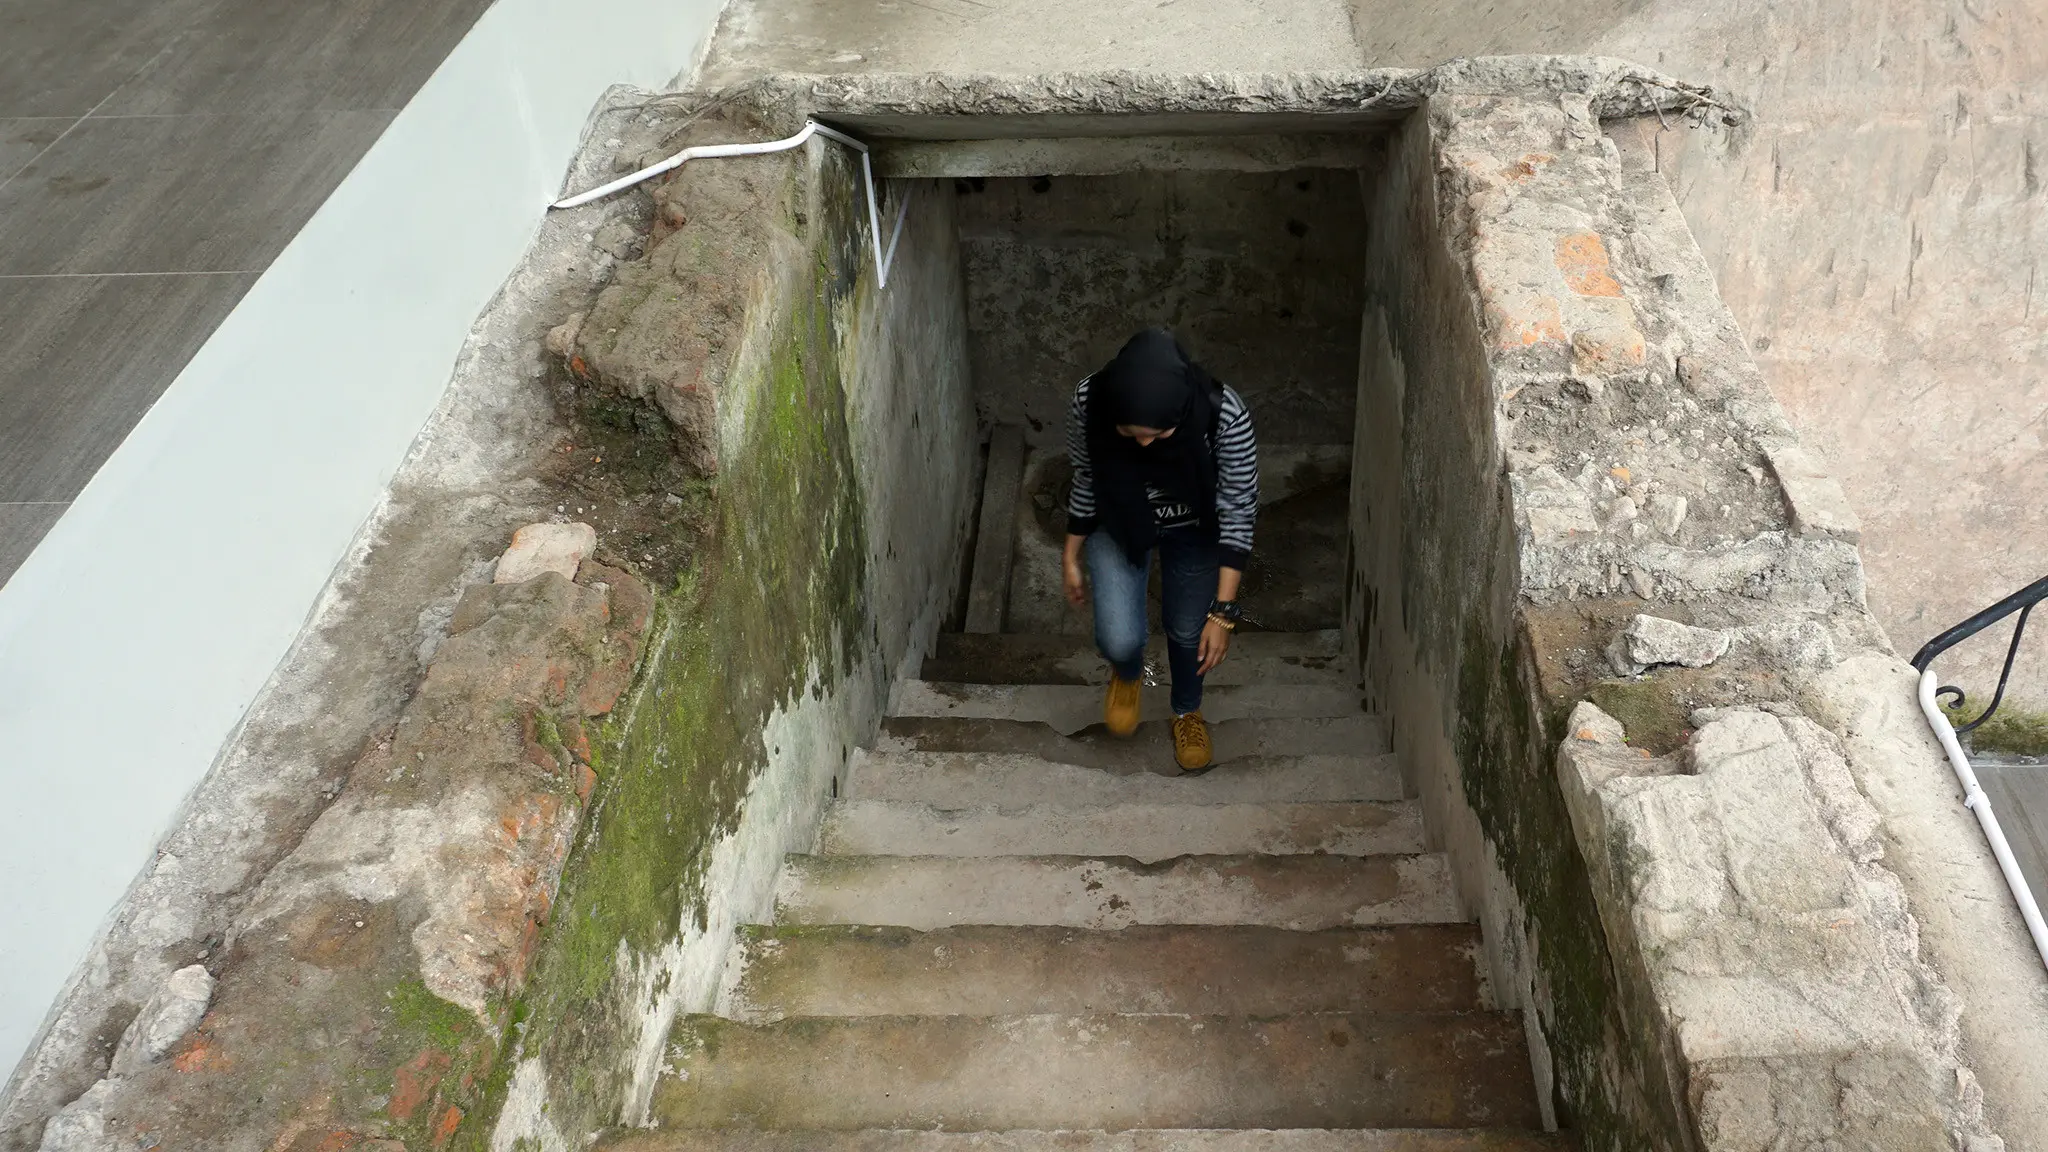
1648,641
1815,501
539,548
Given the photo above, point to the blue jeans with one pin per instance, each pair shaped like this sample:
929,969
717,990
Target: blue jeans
1187,580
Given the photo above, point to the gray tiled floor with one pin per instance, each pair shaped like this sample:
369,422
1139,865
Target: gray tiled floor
155,156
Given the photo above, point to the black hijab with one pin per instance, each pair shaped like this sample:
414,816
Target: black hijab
1151,384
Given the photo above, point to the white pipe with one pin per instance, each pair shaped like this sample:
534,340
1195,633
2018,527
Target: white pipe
719,151
1976,801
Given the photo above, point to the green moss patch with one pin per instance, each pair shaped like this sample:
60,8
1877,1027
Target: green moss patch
772,597
1648,710
2011,731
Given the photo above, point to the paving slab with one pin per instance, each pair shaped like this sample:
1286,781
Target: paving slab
1028,970
1298,892
1100,1071
1140,831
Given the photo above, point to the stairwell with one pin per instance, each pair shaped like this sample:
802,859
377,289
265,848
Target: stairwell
1019,933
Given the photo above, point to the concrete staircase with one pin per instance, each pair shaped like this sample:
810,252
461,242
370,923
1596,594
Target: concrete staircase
1019,934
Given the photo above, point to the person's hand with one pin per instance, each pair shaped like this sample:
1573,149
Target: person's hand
1077,587
1215,642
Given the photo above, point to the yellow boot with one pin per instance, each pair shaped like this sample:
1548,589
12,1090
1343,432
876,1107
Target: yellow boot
1120,706
1191,748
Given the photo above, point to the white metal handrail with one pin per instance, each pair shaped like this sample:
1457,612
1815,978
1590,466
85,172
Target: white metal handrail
718,151
1977,802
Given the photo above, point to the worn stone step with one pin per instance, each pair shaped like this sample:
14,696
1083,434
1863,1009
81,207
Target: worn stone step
1255,658
1150,748
1133,1140
980,970
962,780
1140,831
1300,892
1069,708
1329,1070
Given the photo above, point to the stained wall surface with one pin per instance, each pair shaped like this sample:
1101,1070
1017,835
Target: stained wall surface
187,566
1257,272
1879,229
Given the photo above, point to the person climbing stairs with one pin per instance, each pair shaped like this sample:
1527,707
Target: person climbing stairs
1018,933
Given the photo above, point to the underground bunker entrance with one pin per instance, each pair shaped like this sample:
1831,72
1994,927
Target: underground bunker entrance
1258,268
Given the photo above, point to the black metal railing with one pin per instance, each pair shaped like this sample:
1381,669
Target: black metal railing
2022,602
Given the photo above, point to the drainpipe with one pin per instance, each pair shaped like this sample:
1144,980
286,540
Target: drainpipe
1976,801
718,151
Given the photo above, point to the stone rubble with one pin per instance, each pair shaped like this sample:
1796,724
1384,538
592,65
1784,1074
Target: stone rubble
1648,641
539,548
1742,876
174,1010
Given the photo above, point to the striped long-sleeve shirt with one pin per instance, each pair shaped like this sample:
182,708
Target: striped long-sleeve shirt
1232,446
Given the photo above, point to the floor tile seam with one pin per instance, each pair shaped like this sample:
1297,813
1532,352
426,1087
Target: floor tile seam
271,115
145,66
122,275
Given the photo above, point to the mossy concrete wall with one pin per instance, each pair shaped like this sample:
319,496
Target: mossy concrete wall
1432,610
844,447
1559,429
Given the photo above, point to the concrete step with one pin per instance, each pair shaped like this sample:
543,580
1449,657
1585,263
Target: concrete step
1255,658
1099,1072
1140,831
1071,708
967,780
980,970
1150,748
1134,1140
1130,1140
1300,892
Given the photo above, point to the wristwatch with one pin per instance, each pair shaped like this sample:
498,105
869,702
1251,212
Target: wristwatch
1226,613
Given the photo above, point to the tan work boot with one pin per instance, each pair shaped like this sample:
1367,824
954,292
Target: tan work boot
1191,742
1120,706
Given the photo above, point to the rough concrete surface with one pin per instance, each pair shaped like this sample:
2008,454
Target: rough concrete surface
959,780
1000,36
1155,1140
1877,227
1179,969
1105,1071
1784,957
1302,892
1024,658
479,471
1145,832
1537,309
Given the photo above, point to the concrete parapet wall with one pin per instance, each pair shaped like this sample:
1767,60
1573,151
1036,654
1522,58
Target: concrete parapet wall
1725,935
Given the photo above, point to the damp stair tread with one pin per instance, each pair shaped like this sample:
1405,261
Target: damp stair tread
1107,1071
1142,831
1073,708
1129,1140
984,970
960,780
1303,892
1019,658
1149,748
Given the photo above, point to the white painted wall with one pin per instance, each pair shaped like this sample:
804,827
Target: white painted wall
136,635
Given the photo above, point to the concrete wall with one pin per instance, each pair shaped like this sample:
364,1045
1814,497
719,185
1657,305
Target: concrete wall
1257,271
1560,432
1878,228
139,632
845,447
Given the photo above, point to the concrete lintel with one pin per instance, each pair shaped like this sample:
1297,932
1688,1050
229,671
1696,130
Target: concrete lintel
1105,156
